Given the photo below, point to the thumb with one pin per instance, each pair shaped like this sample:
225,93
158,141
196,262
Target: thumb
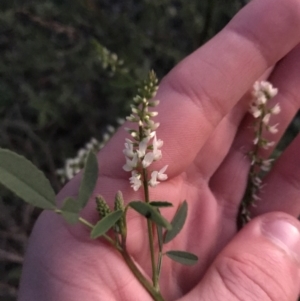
261,263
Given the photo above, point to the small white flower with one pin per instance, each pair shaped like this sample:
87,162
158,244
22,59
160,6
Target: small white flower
69,171
255,197
256,181
153,181
111,129
131,118
134,110
161,176
120,121
261,99
152,114
256,87
153,103
266,88
76,161
81,153
89,146
156,145
255,111
131,164
273,129
60,171
276,109
266,164
266,118
267,144
94,141
133,134
143,147
255,141
135,180
106,137
158,175
148,159
152,125
128,151
76,170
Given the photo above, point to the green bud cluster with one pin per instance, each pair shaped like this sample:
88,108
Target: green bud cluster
108,59
119,201
148,87
102,207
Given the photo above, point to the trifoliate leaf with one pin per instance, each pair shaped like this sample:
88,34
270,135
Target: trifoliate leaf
89,179
26,180
106,223
182,257
150,212
70,210
177,222
160,204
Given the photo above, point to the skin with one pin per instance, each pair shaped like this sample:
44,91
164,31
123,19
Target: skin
206,134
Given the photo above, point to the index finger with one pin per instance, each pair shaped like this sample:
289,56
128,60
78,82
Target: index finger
205,86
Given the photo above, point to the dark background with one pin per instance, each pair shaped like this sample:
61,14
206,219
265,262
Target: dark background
68,69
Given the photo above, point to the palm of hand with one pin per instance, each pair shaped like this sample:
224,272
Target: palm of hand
209,226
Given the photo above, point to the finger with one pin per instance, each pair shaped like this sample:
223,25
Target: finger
218,144
204,87
260,263
235,167
282,189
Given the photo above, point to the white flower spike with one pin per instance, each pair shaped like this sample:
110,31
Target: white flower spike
141,153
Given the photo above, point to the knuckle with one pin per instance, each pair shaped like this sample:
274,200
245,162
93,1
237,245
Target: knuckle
185,82
247,279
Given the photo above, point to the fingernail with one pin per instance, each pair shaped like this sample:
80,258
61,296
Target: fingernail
284,233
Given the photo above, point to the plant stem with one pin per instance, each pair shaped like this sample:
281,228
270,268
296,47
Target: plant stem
91,226
150,234
247,201
86,223
140,277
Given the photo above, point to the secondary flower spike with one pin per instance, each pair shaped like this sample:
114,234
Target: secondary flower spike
262,112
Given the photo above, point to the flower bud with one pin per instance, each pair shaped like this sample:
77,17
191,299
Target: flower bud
102,207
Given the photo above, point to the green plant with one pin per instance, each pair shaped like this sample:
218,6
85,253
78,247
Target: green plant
144,148
23,178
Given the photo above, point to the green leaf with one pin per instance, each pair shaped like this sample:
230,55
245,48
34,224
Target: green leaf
177,222
26,180
106,223
160,204
89,179
70,210
182,257
150,212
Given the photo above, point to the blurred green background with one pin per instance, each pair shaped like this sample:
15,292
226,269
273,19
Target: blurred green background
69,69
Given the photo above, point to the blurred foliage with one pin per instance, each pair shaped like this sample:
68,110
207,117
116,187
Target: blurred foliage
68,69
62,59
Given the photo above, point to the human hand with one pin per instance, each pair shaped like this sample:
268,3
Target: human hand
205,129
